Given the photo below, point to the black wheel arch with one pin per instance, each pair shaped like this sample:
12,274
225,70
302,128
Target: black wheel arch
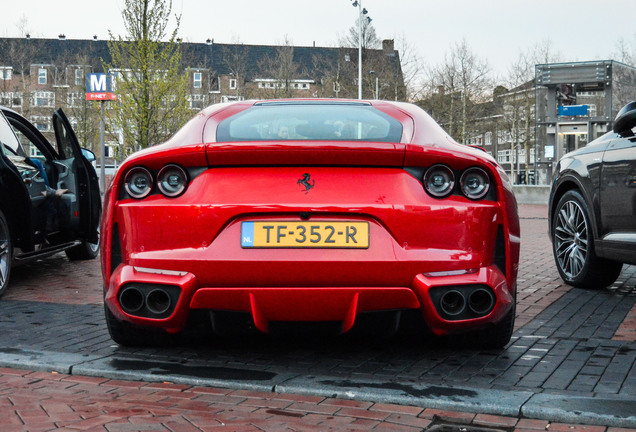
568,183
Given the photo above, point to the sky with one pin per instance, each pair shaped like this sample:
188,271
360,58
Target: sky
496,30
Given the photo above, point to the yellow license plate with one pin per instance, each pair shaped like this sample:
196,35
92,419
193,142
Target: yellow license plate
304,234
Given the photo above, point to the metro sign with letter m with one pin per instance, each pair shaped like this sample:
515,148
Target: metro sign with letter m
99,87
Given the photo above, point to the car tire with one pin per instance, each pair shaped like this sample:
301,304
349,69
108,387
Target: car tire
495,336
130,335
498,335
573,245
6,253
84,251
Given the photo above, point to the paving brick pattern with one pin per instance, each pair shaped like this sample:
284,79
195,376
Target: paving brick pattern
36,401
569,341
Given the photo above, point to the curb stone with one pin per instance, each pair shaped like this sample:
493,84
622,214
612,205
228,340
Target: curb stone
605,411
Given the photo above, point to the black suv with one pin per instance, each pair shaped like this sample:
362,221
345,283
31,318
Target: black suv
49,197
593,207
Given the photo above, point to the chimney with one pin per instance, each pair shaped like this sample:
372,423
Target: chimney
61,36
94,37
209,41
387,47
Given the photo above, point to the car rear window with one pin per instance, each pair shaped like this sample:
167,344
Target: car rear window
310,121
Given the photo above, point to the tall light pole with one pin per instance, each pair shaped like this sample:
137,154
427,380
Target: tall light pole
377,93
361,13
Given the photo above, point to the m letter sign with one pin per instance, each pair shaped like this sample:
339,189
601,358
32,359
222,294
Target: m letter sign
98,87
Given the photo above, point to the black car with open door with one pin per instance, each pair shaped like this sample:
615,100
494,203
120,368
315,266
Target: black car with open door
49,195
593,206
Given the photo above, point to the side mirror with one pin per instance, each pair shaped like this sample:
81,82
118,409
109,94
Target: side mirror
625,119
89,155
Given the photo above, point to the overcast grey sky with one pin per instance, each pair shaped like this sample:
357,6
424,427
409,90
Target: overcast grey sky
496,30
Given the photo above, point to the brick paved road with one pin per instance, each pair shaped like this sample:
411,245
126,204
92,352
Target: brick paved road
37,401
568,343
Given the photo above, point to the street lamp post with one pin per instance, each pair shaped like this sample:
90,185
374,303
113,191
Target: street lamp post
361,13
377,90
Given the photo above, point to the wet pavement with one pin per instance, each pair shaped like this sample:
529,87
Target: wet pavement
572,358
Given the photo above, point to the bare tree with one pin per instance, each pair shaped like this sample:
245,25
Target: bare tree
412,68
543,52
625,51
20,54
85,113
370,39
336,74
461,82
235,59
516,105
282,69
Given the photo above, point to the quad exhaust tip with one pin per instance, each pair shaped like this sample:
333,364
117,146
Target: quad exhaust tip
453,303
481,301
158,301
131,300
467,302
143,302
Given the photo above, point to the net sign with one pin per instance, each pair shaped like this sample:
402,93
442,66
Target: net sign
99,87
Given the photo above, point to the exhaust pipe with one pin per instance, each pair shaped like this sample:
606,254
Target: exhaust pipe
452,303
158,301
131,300
481,301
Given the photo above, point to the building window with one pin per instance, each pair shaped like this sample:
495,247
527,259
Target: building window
196,101
488,138
41,123
503,156
231,98
11,99
115,76
214,85
232,83
34,152
74,99
5,73
44,99
79,77
196,80
41,76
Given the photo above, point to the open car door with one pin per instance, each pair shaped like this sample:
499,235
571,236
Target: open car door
80,179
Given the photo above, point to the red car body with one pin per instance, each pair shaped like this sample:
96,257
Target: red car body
163,257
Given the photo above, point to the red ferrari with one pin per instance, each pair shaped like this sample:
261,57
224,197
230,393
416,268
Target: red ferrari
303,211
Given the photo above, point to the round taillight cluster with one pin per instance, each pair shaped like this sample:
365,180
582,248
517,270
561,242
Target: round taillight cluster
474,183
439,182
172,181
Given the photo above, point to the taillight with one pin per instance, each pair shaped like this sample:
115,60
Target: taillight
138,182
172,180
439,181
474,183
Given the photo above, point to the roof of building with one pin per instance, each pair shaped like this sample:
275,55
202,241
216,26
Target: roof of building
208,55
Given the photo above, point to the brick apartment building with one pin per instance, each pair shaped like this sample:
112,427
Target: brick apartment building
40,75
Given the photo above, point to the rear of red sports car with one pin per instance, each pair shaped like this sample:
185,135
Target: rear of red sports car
310,211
